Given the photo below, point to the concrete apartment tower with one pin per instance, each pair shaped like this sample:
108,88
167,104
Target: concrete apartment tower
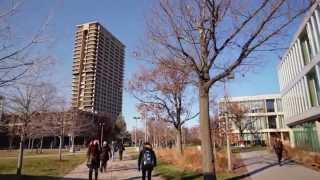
98,64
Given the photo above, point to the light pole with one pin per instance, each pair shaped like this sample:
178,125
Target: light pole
101,136
135,130
145,130
93,117
227,121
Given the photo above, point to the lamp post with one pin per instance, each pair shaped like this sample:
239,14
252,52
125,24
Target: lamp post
145,130
93,117
227,121
135,130
101,135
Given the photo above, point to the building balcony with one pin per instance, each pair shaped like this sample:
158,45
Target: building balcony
91,46
75,72
78,35
91,58
76,51
92,42
94,39
76,64
91,50
76,57
92,34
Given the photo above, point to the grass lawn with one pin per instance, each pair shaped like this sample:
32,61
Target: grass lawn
44,166
174,173
27,152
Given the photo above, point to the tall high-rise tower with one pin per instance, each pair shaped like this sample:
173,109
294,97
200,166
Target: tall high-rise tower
98,60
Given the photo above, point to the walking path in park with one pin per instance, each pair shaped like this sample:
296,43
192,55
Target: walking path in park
261,165
117,170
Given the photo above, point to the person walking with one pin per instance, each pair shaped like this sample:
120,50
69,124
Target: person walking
147,161
278,149
121,149
93,155
105,156
114,149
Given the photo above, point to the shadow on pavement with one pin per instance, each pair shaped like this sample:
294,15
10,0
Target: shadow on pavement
121,169
133,178
288,162
25,177
190,177
167,177
139,177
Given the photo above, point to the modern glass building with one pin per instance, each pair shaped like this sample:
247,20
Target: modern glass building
263,117
299,75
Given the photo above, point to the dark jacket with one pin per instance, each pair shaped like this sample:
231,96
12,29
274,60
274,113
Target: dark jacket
121,147
140,159
93,155
105,153
278,147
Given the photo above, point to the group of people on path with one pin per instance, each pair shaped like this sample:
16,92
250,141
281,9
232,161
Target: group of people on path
99,156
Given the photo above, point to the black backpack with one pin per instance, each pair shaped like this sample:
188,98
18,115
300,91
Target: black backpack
148,159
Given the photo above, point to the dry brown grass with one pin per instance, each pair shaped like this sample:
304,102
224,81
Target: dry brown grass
190,160
310,159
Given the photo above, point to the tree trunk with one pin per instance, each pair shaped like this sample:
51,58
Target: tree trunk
179,141
242,137
41,142
20,156
60,147
84,142
72,144
205,134
32,142
10,143
214,149
29,143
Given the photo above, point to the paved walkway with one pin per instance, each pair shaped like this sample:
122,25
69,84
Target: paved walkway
117,170
262,165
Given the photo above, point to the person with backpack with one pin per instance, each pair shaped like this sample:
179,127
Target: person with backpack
105,156
93,161
147,161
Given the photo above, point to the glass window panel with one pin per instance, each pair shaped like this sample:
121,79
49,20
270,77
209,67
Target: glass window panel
313,87
305,47
270,105
272,122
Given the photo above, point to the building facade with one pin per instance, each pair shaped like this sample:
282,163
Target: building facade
299,75
98,65
263,117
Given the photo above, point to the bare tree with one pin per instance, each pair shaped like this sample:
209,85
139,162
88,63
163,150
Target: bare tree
23,105
17,56
82,123
213,38
163,91
237,114
120,128
158,132
42,124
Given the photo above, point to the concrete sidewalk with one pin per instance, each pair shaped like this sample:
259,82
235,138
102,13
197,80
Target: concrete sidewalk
117,170
262,165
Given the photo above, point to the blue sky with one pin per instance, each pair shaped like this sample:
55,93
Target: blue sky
125,19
